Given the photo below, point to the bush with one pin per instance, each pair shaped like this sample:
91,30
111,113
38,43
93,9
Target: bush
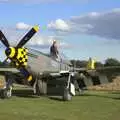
112,62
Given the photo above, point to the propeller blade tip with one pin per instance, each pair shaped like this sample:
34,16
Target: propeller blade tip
29,78
36,28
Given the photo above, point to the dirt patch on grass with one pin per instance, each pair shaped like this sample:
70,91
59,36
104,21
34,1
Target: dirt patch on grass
114,86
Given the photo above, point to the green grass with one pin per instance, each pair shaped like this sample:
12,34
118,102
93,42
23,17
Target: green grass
91,106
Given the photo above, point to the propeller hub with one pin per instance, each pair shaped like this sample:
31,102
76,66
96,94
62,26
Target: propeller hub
10,52
18,55
7,51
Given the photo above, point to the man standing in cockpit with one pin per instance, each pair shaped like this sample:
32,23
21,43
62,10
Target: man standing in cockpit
54,50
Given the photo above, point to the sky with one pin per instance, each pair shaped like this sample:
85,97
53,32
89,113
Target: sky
83,28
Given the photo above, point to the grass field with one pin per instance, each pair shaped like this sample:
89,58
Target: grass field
91,106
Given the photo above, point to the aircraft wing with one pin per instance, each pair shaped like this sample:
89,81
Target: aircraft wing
12,73
92,77
9,69
80,69
111,69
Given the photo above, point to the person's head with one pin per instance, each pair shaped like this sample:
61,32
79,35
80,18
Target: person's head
90,58
54,42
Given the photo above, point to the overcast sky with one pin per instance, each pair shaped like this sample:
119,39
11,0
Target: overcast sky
83,28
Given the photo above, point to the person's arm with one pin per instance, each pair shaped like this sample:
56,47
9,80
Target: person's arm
56,49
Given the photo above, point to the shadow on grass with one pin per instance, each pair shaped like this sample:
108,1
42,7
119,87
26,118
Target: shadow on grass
115,92
24,94
30,94
108,94
56,98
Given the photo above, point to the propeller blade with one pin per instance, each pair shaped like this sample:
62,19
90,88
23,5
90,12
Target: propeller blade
28,36
25,72
3,39
5,60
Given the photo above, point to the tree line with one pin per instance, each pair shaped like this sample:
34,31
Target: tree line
108,62
83,63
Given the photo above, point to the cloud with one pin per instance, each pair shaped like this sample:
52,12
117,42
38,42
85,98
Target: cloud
65,45
39,40
102,24
43,41
23,26
59,25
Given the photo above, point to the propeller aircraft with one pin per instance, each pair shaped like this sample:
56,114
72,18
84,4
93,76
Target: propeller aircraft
44,73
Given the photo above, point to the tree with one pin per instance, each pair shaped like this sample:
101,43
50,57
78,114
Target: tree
99,64
112,62
1,63
78,63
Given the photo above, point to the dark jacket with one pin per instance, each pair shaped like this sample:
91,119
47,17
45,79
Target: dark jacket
53,51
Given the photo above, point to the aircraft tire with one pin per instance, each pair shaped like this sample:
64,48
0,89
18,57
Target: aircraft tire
44,85
3,94
6,93
66,95
39,87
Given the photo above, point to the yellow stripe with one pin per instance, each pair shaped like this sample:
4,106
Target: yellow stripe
19,53
24,53
17,64
25,63
26,50
29,78
12,52
36,28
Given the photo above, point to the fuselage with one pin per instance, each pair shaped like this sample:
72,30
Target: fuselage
40,62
